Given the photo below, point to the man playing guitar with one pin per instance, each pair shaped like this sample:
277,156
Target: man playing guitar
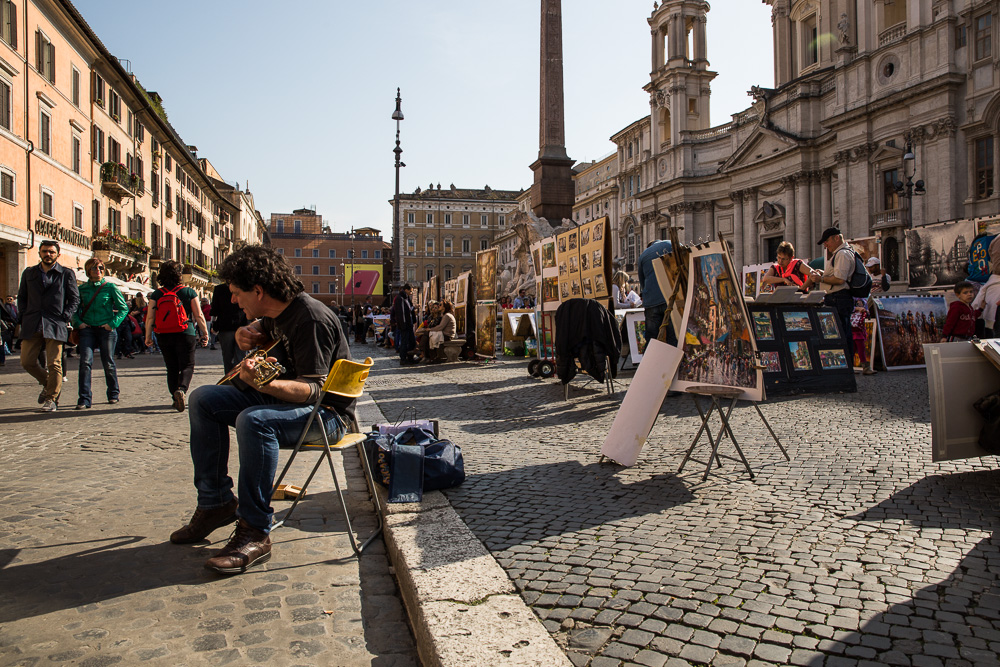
267,413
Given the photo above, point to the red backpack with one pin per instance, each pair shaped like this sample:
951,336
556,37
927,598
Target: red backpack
170,314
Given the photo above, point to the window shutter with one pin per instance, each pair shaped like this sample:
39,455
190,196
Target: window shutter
52,63
12,21
5,105
39,57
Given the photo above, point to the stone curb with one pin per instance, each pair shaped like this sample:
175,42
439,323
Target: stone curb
462,606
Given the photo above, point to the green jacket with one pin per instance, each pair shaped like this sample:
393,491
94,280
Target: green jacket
108,308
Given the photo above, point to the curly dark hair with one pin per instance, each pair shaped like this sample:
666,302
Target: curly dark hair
169,274
254,265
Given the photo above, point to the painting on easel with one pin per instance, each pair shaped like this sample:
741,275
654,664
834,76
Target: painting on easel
719,348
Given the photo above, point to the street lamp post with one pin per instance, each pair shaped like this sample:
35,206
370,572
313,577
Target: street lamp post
910,188
353,280
397,231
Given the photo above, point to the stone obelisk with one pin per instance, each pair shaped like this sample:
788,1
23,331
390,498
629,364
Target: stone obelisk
552,191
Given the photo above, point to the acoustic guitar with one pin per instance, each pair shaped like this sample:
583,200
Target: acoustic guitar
264,371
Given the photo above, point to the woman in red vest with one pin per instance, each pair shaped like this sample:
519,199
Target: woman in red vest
788,270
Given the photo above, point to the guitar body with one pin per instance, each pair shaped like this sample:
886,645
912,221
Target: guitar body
261,351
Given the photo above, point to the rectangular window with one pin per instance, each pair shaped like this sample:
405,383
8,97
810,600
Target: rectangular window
333,254
97,139
98,89
430,273
315,288
465,219
447,273
484,244
984,36
409,219
7,186
429,244
315,270
47,204
466,246
483,220
430,219
984,167
168,163
315,252
961,36
331,288
447,219
140,131
130,123
76,153
281,226
378,254
45,56
5,109
116,107
114,151
95,216
447,246
298,270
350,254
281,251
364,254
78,217
8,23
890,200
333,270
502,221
298,252
411,245
75,87
45,133
298,226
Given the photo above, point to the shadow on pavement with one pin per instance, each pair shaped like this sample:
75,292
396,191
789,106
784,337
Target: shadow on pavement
502,508
960,616
109,570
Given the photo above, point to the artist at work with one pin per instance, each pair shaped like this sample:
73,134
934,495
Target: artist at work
787,270
267,413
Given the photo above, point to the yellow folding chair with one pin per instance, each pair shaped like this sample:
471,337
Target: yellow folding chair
346,378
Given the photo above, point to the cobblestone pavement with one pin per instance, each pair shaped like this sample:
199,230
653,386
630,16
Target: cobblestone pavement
860,551
88,576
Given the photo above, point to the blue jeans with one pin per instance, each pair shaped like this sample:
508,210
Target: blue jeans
263,425
92,338
654,317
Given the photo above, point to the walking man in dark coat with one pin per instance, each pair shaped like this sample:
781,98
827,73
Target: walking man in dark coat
404,317
46,298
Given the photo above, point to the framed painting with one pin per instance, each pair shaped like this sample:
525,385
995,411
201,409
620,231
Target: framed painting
905,324
635,328
762,326
833,360
799,351
486,325
796,321
829,328
771,361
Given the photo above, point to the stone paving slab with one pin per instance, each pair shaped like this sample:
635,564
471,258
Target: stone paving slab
88,576
858,551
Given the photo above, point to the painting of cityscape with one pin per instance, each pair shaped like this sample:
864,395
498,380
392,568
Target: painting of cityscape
905,323
718,346
938,255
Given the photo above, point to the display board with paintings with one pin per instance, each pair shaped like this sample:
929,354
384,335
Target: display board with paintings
905,323
486,275
486,325
718,346
871,337
543,255
450,290
434,288
803,349
462,288
753,280
937,255
583,261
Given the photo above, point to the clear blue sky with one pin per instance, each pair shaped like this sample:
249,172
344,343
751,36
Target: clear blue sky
297,97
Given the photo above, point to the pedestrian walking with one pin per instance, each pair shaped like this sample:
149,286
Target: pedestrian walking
404,317
174,312
97,321
46,299
227,317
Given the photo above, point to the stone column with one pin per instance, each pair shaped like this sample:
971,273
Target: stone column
752,237
803,225
701,40
788,197
826,200
737,198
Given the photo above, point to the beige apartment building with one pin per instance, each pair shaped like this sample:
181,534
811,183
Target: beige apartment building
88,158
323,259
443,229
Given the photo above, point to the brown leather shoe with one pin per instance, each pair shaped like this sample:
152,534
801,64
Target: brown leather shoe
247,547
203,522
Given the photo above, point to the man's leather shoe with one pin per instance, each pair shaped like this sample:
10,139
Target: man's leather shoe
247,547
203,522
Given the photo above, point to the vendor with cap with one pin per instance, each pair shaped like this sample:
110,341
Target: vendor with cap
880,279
834,280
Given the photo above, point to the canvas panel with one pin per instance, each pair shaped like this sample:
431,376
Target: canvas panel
938,255
957,376
905,324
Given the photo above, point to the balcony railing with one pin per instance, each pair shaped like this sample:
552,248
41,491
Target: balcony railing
116,178
892,218
893,34
116,249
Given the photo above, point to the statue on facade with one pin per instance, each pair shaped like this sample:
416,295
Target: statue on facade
843,27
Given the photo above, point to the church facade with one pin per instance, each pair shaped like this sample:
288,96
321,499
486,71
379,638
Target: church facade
869,98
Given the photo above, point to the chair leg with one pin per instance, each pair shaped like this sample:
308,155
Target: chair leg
298,445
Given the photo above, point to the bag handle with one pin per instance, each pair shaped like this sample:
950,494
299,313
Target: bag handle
89,303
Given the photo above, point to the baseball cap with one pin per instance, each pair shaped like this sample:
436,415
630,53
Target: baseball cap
872,261
830,231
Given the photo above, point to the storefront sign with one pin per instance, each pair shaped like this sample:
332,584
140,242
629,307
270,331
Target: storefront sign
53,230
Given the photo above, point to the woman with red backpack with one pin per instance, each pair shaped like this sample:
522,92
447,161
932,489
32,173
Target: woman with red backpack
173,313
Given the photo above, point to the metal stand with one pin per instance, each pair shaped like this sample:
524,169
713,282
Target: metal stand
714,394
609,382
